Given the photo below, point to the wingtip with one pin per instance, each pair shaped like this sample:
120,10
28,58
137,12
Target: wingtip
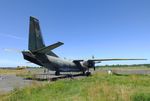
61,42
141,59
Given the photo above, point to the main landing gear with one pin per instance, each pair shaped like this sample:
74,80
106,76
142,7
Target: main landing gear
87,73
57,73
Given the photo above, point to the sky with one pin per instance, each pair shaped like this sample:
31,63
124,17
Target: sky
103,28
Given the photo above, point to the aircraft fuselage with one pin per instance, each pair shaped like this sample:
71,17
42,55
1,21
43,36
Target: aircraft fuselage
63,65
54,63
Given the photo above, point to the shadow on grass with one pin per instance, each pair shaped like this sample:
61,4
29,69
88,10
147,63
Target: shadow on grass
117,74
50,77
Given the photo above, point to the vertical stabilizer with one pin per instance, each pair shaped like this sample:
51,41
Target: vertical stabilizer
35,35
36,42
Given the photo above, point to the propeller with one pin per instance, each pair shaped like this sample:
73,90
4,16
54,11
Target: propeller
94,67
93,62
93,57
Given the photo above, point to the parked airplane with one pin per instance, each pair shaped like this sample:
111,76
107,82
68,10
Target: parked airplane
42,55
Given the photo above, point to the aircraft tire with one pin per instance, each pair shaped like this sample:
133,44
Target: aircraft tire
83,72
88,73
57,73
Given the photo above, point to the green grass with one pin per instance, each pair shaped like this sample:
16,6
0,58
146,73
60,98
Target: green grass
99,87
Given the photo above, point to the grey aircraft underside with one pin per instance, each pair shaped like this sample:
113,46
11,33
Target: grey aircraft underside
42,55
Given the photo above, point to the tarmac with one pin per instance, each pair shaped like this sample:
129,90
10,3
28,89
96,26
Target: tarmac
8,82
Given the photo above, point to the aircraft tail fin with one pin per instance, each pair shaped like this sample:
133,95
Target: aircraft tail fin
36,43
35,35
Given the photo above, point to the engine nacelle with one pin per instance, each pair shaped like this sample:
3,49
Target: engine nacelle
89,63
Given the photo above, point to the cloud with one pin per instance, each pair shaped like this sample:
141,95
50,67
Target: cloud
12,36
14,63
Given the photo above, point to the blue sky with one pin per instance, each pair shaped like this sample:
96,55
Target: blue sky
104,28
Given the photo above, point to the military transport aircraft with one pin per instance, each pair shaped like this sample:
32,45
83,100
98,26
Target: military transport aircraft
42,55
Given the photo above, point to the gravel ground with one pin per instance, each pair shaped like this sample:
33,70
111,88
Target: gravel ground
10,82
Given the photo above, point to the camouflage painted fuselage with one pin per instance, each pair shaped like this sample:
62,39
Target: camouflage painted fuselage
54,63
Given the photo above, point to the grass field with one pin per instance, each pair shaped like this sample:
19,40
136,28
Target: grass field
99,87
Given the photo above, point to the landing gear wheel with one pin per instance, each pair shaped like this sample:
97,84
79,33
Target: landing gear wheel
57,73
88,73
83,72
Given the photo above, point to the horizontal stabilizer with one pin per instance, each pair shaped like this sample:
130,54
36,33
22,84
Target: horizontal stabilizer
47,49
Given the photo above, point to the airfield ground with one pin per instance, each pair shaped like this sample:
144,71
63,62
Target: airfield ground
132,84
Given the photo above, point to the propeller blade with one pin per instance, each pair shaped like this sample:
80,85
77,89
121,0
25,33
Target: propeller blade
94,65
94,68
93,57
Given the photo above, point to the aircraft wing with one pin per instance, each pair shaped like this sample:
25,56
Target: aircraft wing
78,60
99,60
117,59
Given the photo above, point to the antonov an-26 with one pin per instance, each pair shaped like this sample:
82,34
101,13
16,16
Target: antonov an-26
42,55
